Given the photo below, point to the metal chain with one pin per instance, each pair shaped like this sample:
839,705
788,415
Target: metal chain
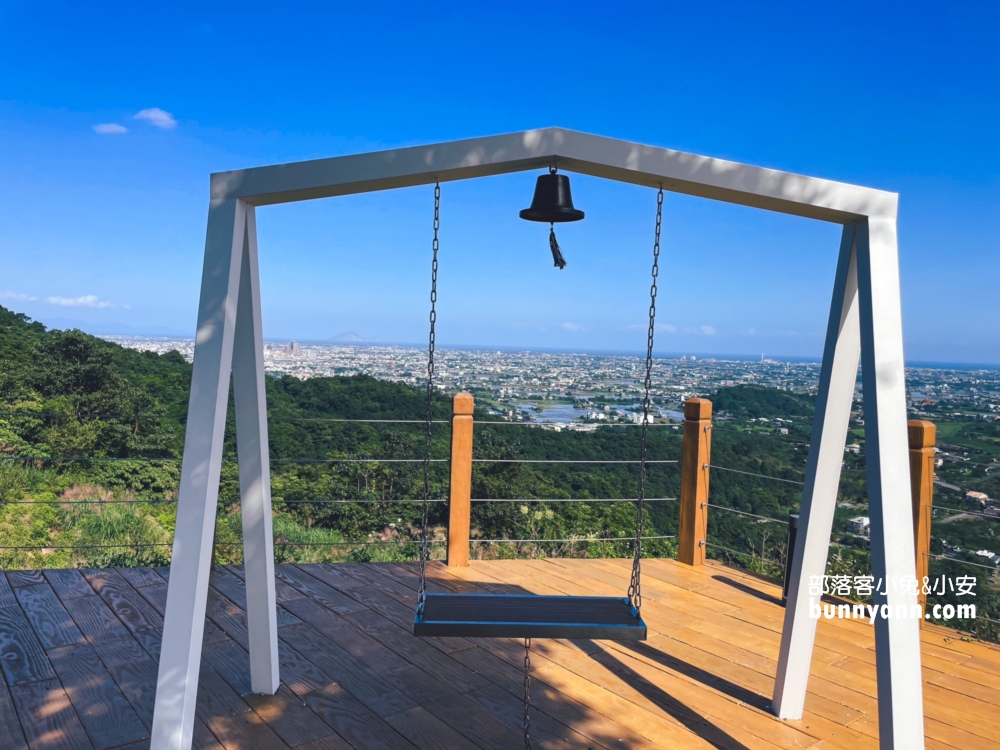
422,590
527,693
635,585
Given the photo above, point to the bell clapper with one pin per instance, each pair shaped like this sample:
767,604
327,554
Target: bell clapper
557,256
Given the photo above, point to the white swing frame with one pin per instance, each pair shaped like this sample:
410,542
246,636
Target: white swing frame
865,324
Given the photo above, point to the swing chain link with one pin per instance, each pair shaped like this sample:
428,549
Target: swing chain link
527,694
635,585
422,590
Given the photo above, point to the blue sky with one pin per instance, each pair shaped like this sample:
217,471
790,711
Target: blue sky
105,230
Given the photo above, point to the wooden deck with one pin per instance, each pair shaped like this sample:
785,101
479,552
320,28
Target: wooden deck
79,650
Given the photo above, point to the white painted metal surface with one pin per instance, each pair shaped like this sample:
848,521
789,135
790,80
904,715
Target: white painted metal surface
838,376
679,172
255,473
897,639
865,316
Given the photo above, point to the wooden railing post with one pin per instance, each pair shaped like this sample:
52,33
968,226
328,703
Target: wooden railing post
460,494
922,436
693,527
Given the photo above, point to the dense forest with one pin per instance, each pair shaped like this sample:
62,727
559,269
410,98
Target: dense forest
91,436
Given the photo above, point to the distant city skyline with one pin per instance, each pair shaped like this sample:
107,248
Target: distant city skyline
764,357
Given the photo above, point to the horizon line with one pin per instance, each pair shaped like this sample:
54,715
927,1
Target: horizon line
779,358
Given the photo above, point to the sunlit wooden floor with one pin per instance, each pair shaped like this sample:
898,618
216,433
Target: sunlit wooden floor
79,650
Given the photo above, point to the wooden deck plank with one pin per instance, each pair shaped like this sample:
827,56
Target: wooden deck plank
245,731
288,717
47,717
416,652
134,611
378,695
458,711
231,587
509,677
358,644
93,616
6,593
48,617
134,671
19,578
11,736
106,715
307,585
282,591
22,658
333,742
428,732
139,577
68,583
215,696
299,674
353,721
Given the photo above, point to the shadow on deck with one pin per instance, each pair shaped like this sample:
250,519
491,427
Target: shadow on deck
79,649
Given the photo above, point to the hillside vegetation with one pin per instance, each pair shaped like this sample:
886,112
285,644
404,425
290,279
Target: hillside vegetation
91,437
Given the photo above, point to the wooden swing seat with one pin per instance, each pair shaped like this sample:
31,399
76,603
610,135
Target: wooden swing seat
528,616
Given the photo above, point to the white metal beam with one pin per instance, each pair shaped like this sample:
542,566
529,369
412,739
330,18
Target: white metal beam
679,172
897,638
838,376
191,559
255,473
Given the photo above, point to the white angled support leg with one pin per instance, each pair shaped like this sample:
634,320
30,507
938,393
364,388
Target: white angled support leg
819,497
190,565
255,475
897,638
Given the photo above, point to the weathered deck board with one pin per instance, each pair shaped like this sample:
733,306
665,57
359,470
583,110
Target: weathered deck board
49,618
11,736
68,583
354,676
6,594
22,658
105,713
124,601
48,718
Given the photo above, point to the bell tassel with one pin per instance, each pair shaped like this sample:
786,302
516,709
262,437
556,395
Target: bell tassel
557,257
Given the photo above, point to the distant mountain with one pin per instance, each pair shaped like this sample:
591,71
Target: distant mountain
347,336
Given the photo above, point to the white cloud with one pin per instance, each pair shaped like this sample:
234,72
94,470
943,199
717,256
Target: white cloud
87,300
708,330
157,117
751,332
666,327
572,326
17,297
110,128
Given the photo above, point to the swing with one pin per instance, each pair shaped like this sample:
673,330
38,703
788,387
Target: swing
536,616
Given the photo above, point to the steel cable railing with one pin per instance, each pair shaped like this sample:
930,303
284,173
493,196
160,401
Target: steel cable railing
270,418
745,513
753,474
561,461
570,500
100,502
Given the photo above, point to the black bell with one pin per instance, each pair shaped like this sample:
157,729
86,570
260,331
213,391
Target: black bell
552,201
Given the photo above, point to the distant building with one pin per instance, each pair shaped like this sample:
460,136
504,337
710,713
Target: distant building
854,448
858,525
980,497
991,557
